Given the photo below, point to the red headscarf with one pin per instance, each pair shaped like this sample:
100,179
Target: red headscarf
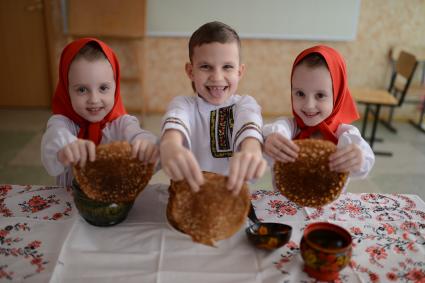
344,107
62,103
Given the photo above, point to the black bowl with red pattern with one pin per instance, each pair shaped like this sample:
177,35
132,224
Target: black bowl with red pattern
267,236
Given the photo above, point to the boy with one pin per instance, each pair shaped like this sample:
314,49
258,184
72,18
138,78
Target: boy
216,130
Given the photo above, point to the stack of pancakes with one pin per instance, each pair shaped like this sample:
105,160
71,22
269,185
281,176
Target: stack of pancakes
209,215
114,176
308,181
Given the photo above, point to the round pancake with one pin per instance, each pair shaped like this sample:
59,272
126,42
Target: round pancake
114,176
209,215
308,181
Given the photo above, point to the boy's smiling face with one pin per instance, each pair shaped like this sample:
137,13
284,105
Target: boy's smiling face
91,87
215,71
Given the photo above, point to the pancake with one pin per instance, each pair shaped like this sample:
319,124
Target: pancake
209,215
114,176
308,181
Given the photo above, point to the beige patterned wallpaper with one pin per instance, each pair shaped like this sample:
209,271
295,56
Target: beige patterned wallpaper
382,24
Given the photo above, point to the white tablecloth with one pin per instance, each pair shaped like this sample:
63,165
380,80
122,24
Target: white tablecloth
42,236
145,248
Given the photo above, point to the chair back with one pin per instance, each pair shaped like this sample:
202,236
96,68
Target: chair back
402,75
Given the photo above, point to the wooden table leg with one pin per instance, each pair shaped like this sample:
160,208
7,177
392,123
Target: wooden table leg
364,125
374,127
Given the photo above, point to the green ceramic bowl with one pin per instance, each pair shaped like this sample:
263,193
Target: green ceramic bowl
99,213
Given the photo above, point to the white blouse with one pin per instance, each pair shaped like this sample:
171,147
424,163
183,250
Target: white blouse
61,131
214,132
346,134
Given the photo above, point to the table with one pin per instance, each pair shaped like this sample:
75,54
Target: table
43,238
377,98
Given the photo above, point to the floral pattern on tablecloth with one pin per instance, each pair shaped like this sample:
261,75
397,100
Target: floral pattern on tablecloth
388,232
13,244
36,202
291,249
362,207
22,250
398,247
278,208
381,207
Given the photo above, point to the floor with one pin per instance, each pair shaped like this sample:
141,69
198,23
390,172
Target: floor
21,131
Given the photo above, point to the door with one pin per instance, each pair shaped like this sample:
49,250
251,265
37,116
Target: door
24,69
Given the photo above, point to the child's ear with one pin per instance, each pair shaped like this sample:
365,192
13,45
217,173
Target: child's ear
189,70
241,70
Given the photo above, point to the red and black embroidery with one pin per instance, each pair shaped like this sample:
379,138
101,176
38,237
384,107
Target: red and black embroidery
175,120
247,126
225,127
221,130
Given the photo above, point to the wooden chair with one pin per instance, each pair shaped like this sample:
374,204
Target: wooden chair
416,96
374,99
403,71
416,93
419,124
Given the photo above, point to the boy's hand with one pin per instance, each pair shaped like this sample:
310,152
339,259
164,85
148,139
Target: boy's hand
280,148
178,162
346,159
246,164
146,151
77,152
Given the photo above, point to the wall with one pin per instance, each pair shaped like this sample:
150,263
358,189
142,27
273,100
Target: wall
271,19
382,24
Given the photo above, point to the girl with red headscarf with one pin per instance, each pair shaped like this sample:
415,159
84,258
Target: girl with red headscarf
323,108
88,111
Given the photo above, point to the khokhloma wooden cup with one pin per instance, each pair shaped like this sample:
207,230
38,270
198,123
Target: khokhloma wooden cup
326,249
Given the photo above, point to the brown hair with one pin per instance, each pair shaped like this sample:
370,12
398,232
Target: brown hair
91,52
313,60
213,32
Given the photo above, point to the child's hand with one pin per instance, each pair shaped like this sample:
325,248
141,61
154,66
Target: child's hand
346,159
245,165
77,152
178,162
280,148
146,151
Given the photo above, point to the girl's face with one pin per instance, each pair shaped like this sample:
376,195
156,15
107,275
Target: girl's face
215,71
91,88
312,94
